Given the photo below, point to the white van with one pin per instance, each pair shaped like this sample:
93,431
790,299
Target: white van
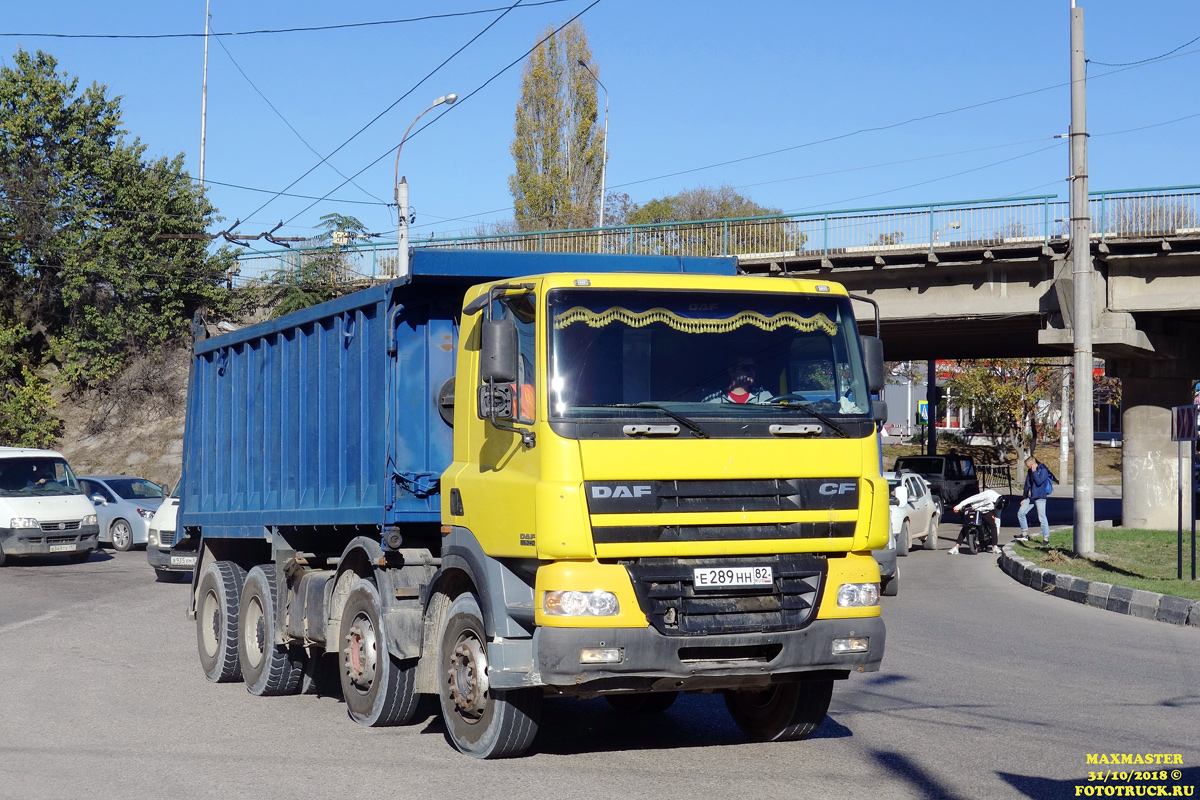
42,509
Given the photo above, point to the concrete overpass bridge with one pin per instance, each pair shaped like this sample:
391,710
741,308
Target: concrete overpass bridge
962,280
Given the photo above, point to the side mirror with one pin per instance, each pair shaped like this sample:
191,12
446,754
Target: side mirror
498,351
879,411
872,348
98,500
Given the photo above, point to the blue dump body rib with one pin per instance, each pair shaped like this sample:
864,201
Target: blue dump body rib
328,416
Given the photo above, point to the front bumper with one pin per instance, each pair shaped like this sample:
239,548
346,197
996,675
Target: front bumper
36,542
172,560
651,661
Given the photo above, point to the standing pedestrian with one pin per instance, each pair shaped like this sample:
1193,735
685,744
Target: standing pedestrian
1039,483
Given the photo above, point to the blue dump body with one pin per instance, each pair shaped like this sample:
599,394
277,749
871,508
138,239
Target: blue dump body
329,416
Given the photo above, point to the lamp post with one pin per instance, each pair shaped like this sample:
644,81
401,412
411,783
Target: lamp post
604,157
402,192
955,224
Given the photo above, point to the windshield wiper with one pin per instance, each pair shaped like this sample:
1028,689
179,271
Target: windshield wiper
696,430
806,407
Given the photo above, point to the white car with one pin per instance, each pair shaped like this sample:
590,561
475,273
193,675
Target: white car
42,509
169,566
913,508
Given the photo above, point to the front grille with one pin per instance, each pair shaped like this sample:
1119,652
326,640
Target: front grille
620,534
664,585
166,538
706,496
50,527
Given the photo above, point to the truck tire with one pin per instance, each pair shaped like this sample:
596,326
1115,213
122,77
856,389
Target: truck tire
121,534
218,600
782,713
642,703
378,690
269,669
904,540
891,586
3,557
480,722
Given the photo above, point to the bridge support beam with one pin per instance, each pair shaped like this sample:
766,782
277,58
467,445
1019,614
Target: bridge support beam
1150,463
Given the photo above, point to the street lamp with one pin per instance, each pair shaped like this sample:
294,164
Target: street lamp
604,162
402,192
955,224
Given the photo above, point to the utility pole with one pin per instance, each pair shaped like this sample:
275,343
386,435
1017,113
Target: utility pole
1081,273
1064,422
204,90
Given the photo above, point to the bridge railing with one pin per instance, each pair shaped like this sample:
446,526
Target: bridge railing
930,227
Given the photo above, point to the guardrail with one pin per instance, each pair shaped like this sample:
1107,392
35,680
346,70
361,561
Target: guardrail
1129,213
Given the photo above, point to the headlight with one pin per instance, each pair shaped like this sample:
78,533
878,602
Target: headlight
23,522
580,604
145,513
152,538
90,519
857,595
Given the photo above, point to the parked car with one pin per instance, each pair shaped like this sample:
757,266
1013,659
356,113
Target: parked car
169,564
124,506
951,477
42,510
914,512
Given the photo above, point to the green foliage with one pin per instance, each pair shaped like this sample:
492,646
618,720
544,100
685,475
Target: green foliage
703,202
317,275
27,414
558,145
86,279
1004,396
771,234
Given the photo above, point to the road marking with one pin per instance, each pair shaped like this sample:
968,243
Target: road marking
14,626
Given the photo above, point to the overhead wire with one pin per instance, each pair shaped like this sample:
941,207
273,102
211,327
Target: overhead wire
398,100
1144,60
291,127
306,29
459,103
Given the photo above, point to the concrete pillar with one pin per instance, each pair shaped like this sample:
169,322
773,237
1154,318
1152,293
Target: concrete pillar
1149,459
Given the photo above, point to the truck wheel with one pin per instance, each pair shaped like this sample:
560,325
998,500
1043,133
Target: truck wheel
891,586
218,600
3,557
904,540
642,703
781,713
377,689
122,535
480,722
268,668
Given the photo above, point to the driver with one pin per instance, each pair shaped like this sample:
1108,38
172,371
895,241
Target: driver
740,386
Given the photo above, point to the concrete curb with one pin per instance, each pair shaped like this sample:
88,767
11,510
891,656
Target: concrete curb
1118,599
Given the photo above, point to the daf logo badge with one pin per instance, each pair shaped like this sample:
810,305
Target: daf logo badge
620,491
836,488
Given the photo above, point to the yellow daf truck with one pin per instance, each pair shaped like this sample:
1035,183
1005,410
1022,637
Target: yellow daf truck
508,477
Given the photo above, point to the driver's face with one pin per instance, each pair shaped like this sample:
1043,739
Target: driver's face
741,376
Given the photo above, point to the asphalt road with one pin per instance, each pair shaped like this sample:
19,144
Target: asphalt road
988,690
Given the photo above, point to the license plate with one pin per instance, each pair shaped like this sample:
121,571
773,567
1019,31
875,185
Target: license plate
62,548
183,561
731,577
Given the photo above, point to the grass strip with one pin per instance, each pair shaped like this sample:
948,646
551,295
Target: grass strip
1138,559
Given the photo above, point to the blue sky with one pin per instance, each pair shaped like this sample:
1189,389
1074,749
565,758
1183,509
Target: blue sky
692,84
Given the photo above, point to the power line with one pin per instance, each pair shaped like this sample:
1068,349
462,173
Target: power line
1144,60
308,29
386,110
461,100
279,114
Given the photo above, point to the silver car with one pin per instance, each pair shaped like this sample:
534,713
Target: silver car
124,507
914,512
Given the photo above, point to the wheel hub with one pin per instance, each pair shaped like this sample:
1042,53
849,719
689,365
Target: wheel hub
359,655
467,676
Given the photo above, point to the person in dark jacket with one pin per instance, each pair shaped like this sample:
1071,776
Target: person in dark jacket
1037,488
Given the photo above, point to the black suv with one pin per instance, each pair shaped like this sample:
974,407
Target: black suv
951,478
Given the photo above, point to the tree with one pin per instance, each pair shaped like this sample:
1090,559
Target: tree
774,233
317,275
1006,398
557,144
86,277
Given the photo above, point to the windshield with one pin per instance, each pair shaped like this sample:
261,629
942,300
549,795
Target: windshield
710,354
135,488
36,476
